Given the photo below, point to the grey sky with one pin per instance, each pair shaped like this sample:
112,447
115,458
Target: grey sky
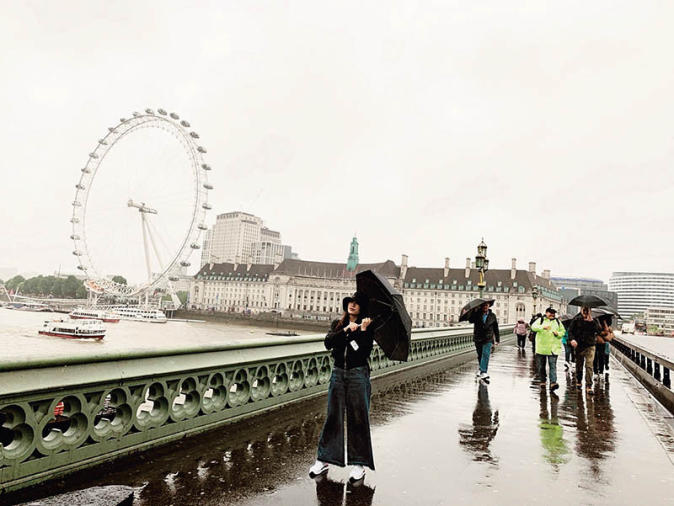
422,126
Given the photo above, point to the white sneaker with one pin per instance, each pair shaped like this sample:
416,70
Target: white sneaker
567,365
357,473
317,469
478,373
484,376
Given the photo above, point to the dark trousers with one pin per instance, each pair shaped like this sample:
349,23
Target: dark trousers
584,360
600,359
568,353
349,392
521,340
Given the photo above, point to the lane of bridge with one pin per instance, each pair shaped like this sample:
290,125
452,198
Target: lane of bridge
439,438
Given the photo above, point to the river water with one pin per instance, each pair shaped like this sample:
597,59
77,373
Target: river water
19,338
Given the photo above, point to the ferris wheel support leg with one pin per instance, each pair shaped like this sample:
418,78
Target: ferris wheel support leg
171,290
146,247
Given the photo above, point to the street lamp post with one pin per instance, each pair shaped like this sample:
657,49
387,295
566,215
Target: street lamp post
482,264
534,295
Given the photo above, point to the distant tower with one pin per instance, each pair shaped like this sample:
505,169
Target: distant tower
352,262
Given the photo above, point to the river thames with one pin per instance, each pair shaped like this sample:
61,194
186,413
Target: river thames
19,338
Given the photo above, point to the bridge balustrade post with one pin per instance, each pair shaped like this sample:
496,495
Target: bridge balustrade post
649,366
665,377
656,375
642,361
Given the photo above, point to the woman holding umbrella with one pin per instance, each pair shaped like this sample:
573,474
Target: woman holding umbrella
350,341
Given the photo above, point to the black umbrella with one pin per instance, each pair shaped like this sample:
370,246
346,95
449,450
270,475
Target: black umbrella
607,310
566,319
392,324
588,300
472,306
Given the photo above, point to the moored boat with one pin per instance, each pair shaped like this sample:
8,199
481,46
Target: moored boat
83,329
83,313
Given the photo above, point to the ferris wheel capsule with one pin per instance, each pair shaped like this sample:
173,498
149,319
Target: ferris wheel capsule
162,112
185,124
185,263
206,206
174,115
194,135
201,226
208,186
149,111
79,186
205,166
93,155
75,237
201,149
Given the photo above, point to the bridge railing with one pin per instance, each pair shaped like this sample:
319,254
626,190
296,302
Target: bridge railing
63,414
652,370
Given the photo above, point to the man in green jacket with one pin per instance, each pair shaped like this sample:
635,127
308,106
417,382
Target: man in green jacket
549,332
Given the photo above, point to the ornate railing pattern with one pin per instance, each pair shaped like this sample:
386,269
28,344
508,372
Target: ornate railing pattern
61,416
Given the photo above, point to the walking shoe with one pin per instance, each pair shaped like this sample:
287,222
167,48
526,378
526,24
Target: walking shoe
579,387
357,473
567,365
606,375
317,469
554,386
589,391
478,373
543,384
484,376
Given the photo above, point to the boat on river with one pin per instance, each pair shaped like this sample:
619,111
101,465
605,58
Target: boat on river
88,313
139,314
79,329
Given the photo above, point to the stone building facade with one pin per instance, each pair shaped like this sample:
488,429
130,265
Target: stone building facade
314,290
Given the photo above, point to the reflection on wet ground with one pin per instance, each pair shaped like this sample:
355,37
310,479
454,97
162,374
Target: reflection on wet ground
442,438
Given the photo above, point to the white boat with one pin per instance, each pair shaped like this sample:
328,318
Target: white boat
84,329
88,313
139,314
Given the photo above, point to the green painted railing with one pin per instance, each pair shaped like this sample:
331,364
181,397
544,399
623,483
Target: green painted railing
60,415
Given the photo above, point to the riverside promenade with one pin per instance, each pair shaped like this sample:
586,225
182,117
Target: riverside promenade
439,436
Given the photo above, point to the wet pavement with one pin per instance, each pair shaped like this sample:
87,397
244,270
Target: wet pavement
439,438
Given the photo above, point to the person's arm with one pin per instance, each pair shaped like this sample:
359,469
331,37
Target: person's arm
497,334
335,335
537,326
473,317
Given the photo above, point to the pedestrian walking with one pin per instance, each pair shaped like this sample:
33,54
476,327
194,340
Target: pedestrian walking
485,336
532,334
568,351
549,332
602,350
521,330
583,332
350,341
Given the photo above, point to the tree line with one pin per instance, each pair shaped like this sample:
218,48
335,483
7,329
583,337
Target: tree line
51,286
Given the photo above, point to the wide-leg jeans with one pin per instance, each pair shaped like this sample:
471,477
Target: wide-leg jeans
349,392
585,359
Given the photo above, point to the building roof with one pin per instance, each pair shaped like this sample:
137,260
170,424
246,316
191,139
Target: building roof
492,277
296,267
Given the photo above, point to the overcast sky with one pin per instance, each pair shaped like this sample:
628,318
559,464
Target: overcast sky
545,127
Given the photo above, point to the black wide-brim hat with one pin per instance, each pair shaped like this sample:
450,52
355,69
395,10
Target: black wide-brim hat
359,298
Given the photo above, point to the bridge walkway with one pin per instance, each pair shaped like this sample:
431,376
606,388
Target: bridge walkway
440,437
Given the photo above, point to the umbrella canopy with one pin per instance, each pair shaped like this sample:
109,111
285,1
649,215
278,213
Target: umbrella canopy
392,324
566,319
607,310
472,306
588,300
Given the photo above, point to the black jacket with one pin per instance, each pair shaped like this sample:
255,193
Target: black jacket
583,332
340,344
483,332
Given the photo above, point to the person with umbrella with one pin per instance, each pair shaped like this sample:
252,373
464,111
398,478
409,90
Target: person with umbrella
549,333
485,335
583,333
350,341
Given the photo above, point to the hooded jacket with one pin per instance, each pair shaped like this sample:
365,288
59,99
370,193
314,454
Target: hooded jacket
343,351
486,331
547,343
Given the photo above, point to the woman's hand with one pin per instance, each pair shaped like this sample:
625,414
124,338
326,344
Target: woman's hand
351,327
573,343
365,323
